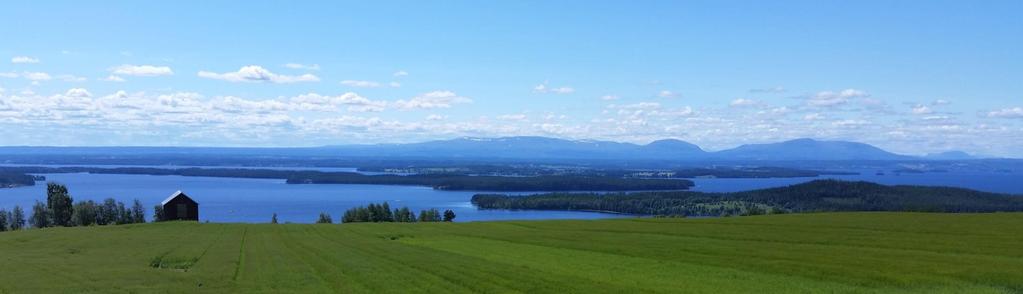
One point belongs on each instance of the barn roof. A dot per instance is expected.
(175, 195)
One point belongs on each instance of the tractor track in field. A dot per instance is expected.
(241, 256)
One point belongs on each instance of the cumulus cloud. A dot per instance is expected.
(142, 70)
(921, 109)
(832, 99)
(512, 117)
(813, 116)
(667, 94)
(71, 78)
(1014, 112)
(545, 88)
(78, 92)
(742, 102)
(302, 66)
(352, 101)
(24, 59)
(400, 73)
(37, 76)
(255, 73)
(435, 99)
(113, 78)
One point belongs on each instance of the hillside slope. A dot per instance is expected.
(841, 252)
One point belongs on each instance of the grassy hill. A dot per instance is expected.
(831, 252)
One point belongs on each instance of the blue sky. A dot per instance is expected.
(909, 76)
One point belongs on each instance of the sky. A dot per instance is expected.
(912, 77)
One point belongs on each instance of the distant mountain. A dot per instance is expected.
(668, 149)
(513, 148)
(950, 155)
(528, 147)
(808, 149)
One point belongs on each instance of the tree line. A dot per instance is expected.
(60, 210)
(595, 182)
(375, 213)
(814, 196)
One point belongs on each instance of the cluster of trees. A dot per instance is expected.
(12, 220)
(496, 183)
(374, 213)
(585, 182)
(814, 196)
(60, 210)
(14, 179)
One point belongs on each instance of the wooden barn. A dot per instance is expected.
(180, 207)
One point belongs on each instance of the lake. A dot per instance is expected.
(1011, 183)
(256, 200)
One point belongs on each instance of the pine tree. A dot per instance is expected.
(158, 213)
(3, 220)
(324, 219)
(16, 218)
(273, 219)
(449, 215)
(138, 212)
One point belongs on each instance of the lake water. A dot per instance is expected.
(1011, 183)
(255, 200)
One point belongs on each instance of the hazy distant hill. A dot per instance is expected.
(670, 149)
(809, 149)
(528, 148)
(517, 148)
(950, 155)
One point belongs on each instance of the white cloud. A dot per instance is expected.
(37, 76)
(353, 102)
(71, 78)
(667, 94)
(360, 84)
(772, 90)
(24, 59)
(394, 84)
(544, 88)
(113, 78)
(78, 92)
(640, 105)
(742, 102)
(921, 109)
(435, 99)
(435, 117)
(255, 73)
(940, 102)
(1015, 112)
(302, 66)
(512, 117)
(142, 70)
(9, 75)
(400, 73)
(609, 97)
(813, 116)
(831, 99)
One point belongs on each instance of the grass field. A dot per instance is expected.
(835, 252)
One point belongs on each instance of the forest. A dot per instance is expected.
(814, 196)
(437, 181)
(14, 179)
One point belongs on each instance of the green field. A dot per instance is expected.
(833, 252)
